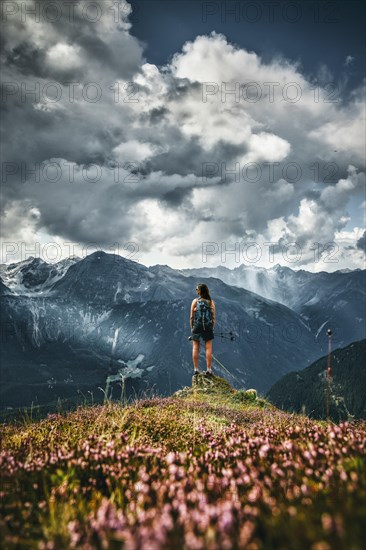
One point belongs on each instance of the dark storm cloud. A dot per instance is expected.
(117, 60)
(120, 55)
(187, 156)
(175, 197)
(184, 157)
(27, 59)
(361, 243)
(156, 115)
(31, 61)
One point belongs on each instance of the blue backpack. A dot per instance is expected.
(203, 313)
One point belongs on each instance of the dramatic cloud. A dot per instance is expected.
(361, 243)
(217, 146)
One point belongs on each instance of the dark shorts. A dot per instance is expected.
(197, 332)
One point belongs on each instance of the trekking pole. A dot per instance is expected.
(329, 372)
(225, 369)
(222, 335)
(221, 365)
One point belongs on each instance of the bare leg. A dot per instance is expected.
(209, 354)
(195, 353)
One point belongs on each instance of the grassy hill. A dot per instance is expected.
(210, 467)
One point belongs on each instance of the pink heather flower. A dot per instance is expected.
(307, 455)
(246, 533)
(288, 445)
(343, 475)
(166, 522)
(263, 450)
(170, 458)
(327, 522)
(253, 494)
(225, 520)
(192, 542)
(47, 545)
(73, 527)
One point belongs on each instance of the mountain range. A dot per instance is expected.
(82, 326)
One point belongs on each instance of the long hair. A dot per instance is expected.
(203, 290)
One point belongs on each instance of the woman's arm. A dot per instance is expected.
(192, 312)
(213, 306)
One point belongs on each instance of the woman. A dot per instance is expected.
(200, 328)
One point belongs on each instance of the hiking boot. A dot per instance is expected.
(208, 373)
(196, 373)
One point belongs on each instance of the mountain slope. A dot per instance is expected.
(34, 275)
(4, 290)
(304, 391)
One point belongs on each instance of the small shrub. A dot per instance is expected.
(245, 396)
